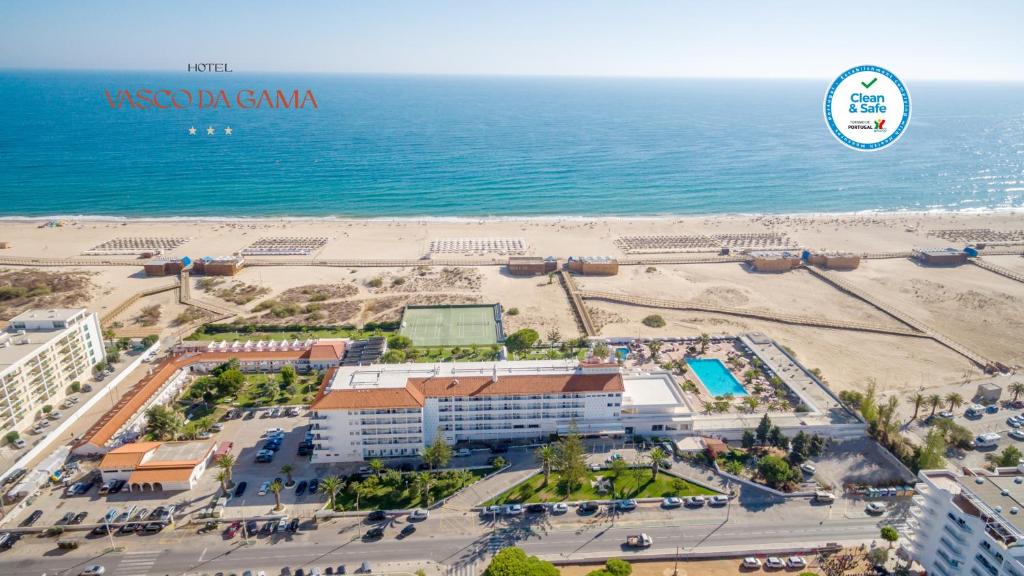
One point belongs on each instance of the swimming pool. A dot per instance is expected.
(622, 353)
(716, 377)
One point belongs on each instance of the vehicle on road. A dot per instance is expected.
(512, 510)
(233, 529)
(808, 468)
(588, 507)
(641, 540)
(65, 519)
(694, 501)
(264, 488)
(31, 518)
(796, 562)
(462, 453)
(672, 502)
(313, 485)
(377, 516)
(719, 500)
(774, 563)
(750, 562)
(875, 508)
(824, 497)
(94, 570)
(625, 505)
(375, 533)
(536, 509)
(240, 488)
(79, 518)
(490, 511)
(559, 508)
(407, 531)
(418, 515)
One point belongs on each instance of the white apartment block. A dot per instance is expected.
(969, 524)
(396, 410)
(41, 353)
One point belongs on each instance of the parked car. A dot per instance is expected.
(79, 518)
(750, 562)
(265, 456)
(462, 453)
(251, 527)
(536, 509)
(625, 505)
(375, 533)
(270, 432)
(875, 508)
(313, 485)
(824, 497)
(94, 570)
(65, 519)
(992, 409)
(31, 518)
(512, 510)
(672, 502)
(232, 529)
(154, 527)
(559, 508)
(808, 468)
(293, 526)
(18, 444)
(240, 488)
(588, 507)
(1016, 434)
(418, 515)
(719, 500)
(694, 501)
(377, 516)
(407, 531)
(300, 489)
(796, 562)
(490, 511)
(264, 488)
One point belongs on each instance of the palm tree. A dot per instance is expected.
(546, 454)
(704, 341)
(1017, 388)
(657, 457)
(934, 401)
(331, 485)
(421, 484)
(554, 336)
(954, 400)
(377, 465)
(707, 406)
(655, 346)
(223, 477)
(276, 488)
(226, 463)
(287, 470)
(356, 488)
(918, 399)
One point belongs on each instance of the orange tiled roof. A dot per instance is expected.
(127, 456)
(417, 390)
(327, 351)
(151, 475)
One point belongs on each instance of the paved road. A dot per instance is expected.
(440, 539)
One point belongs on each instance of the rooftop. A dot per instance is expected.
(51, 315)
(14, 347)
(651, 390)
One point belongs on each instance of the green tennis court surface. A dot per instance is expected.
(451, 325)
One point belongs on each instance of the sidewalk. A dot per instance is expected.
(489, 488)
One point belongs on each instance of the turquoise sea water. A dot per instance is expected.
(718, 380)
(463, 146)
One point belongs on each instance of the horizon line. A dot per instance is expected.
(488, 75)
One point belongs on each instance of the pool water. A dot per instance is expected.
(622, 353)
(716, 377)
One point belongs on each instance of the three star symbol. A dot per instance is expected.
(228, 131)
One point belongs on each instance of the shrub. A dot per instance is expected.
(11, 436)
(513, 312)
(654, 321)
(375, 282)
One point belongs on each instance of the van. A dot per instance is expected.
(987, 439)
(824, 497)
(974, 411)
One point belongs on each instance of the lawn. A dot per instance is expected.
(265, 390)
(533, 489)
(395, 492)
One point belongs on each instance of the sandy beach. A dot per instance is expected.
(978, 308)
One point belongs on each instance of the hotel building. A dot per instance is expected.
(396, 410)
(41, 353)
(969, 524)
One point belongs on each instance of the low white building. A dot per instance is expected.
(42, 353)
(157, 466)
(969, 524)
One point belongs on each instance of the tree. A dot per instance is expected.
(1010, 456)
(288, 375)
(704, 341)
(546, 456)
(229, 382)
(513, 561)
(331, 485)
(498, 463)
(868, 405)
(934, 401)
(399, 342)
(554, 336)
(223, 478)
(75, 387)
(276, 488)
(355, 487)
(150, 340)
(657, 456)
(748, 439)
(226, 463)
(99, 367)
(918, 400)
(929, 455)
(776, 472)
(422, 483)
(163, 423)
(571, 459)
(617, 567)
(878, 555)
(287, 470)
(655, 346)
(801, 448)
(617, 470)
(816, 446)
(890, 535)
(393, 357)
(600, 350)
(377, 465)
(522, 340)
(763, 429)
(113, 355)
(439, 453)
(653, 321)
(954, 400)
(11, 436)
(1017, 388)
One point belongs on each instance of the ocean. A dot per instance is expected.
(396, 146)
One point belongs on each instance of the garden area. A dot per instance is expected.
(393, 490)
(634, 483)
(771, 458)
(243, 332)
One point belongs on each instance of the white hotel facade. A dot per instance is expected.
(396, 410)
(41, 353)
(969, 524)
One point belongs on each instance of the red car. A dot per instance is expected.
(233, 529)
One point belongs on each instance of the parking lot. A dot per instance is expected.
(857, 461)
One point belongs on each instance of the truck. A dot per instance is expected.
(638, 540)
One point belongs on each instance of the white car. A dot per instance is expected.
(491, 511)
(264, 488)
(559, 508)
(672, 502)
(462, 452)
(94, 570)
(418, 515)
(796, 562)
(751, 562)
(273, 432)
(875, 508)
(1016, 434)
(720, 500)
(513, 510)
(695, 501)
(774, 562)
(808, 468)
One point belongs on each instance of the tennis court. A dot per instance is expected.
(453, 325)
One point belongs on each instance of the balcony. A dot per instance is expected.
(953, 549)
(992, 570)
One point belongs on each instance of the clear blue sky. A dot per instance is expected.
(941, 39)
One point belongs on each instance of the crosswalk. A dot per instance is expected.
(467, 569)
(137, 563)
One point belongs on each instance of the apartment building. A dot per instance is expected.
(395, 410)
(969, 524)
(41, 353)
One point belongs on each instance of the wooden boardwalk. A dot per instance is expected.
(914, 323)
(981, 263)
(578, 306)
(733, 311)
(109, 317)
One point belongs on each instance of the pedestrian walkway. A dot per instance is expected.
(490, 487)
(137, 563)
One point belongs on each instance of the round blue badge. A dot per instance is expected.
(867, 108)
